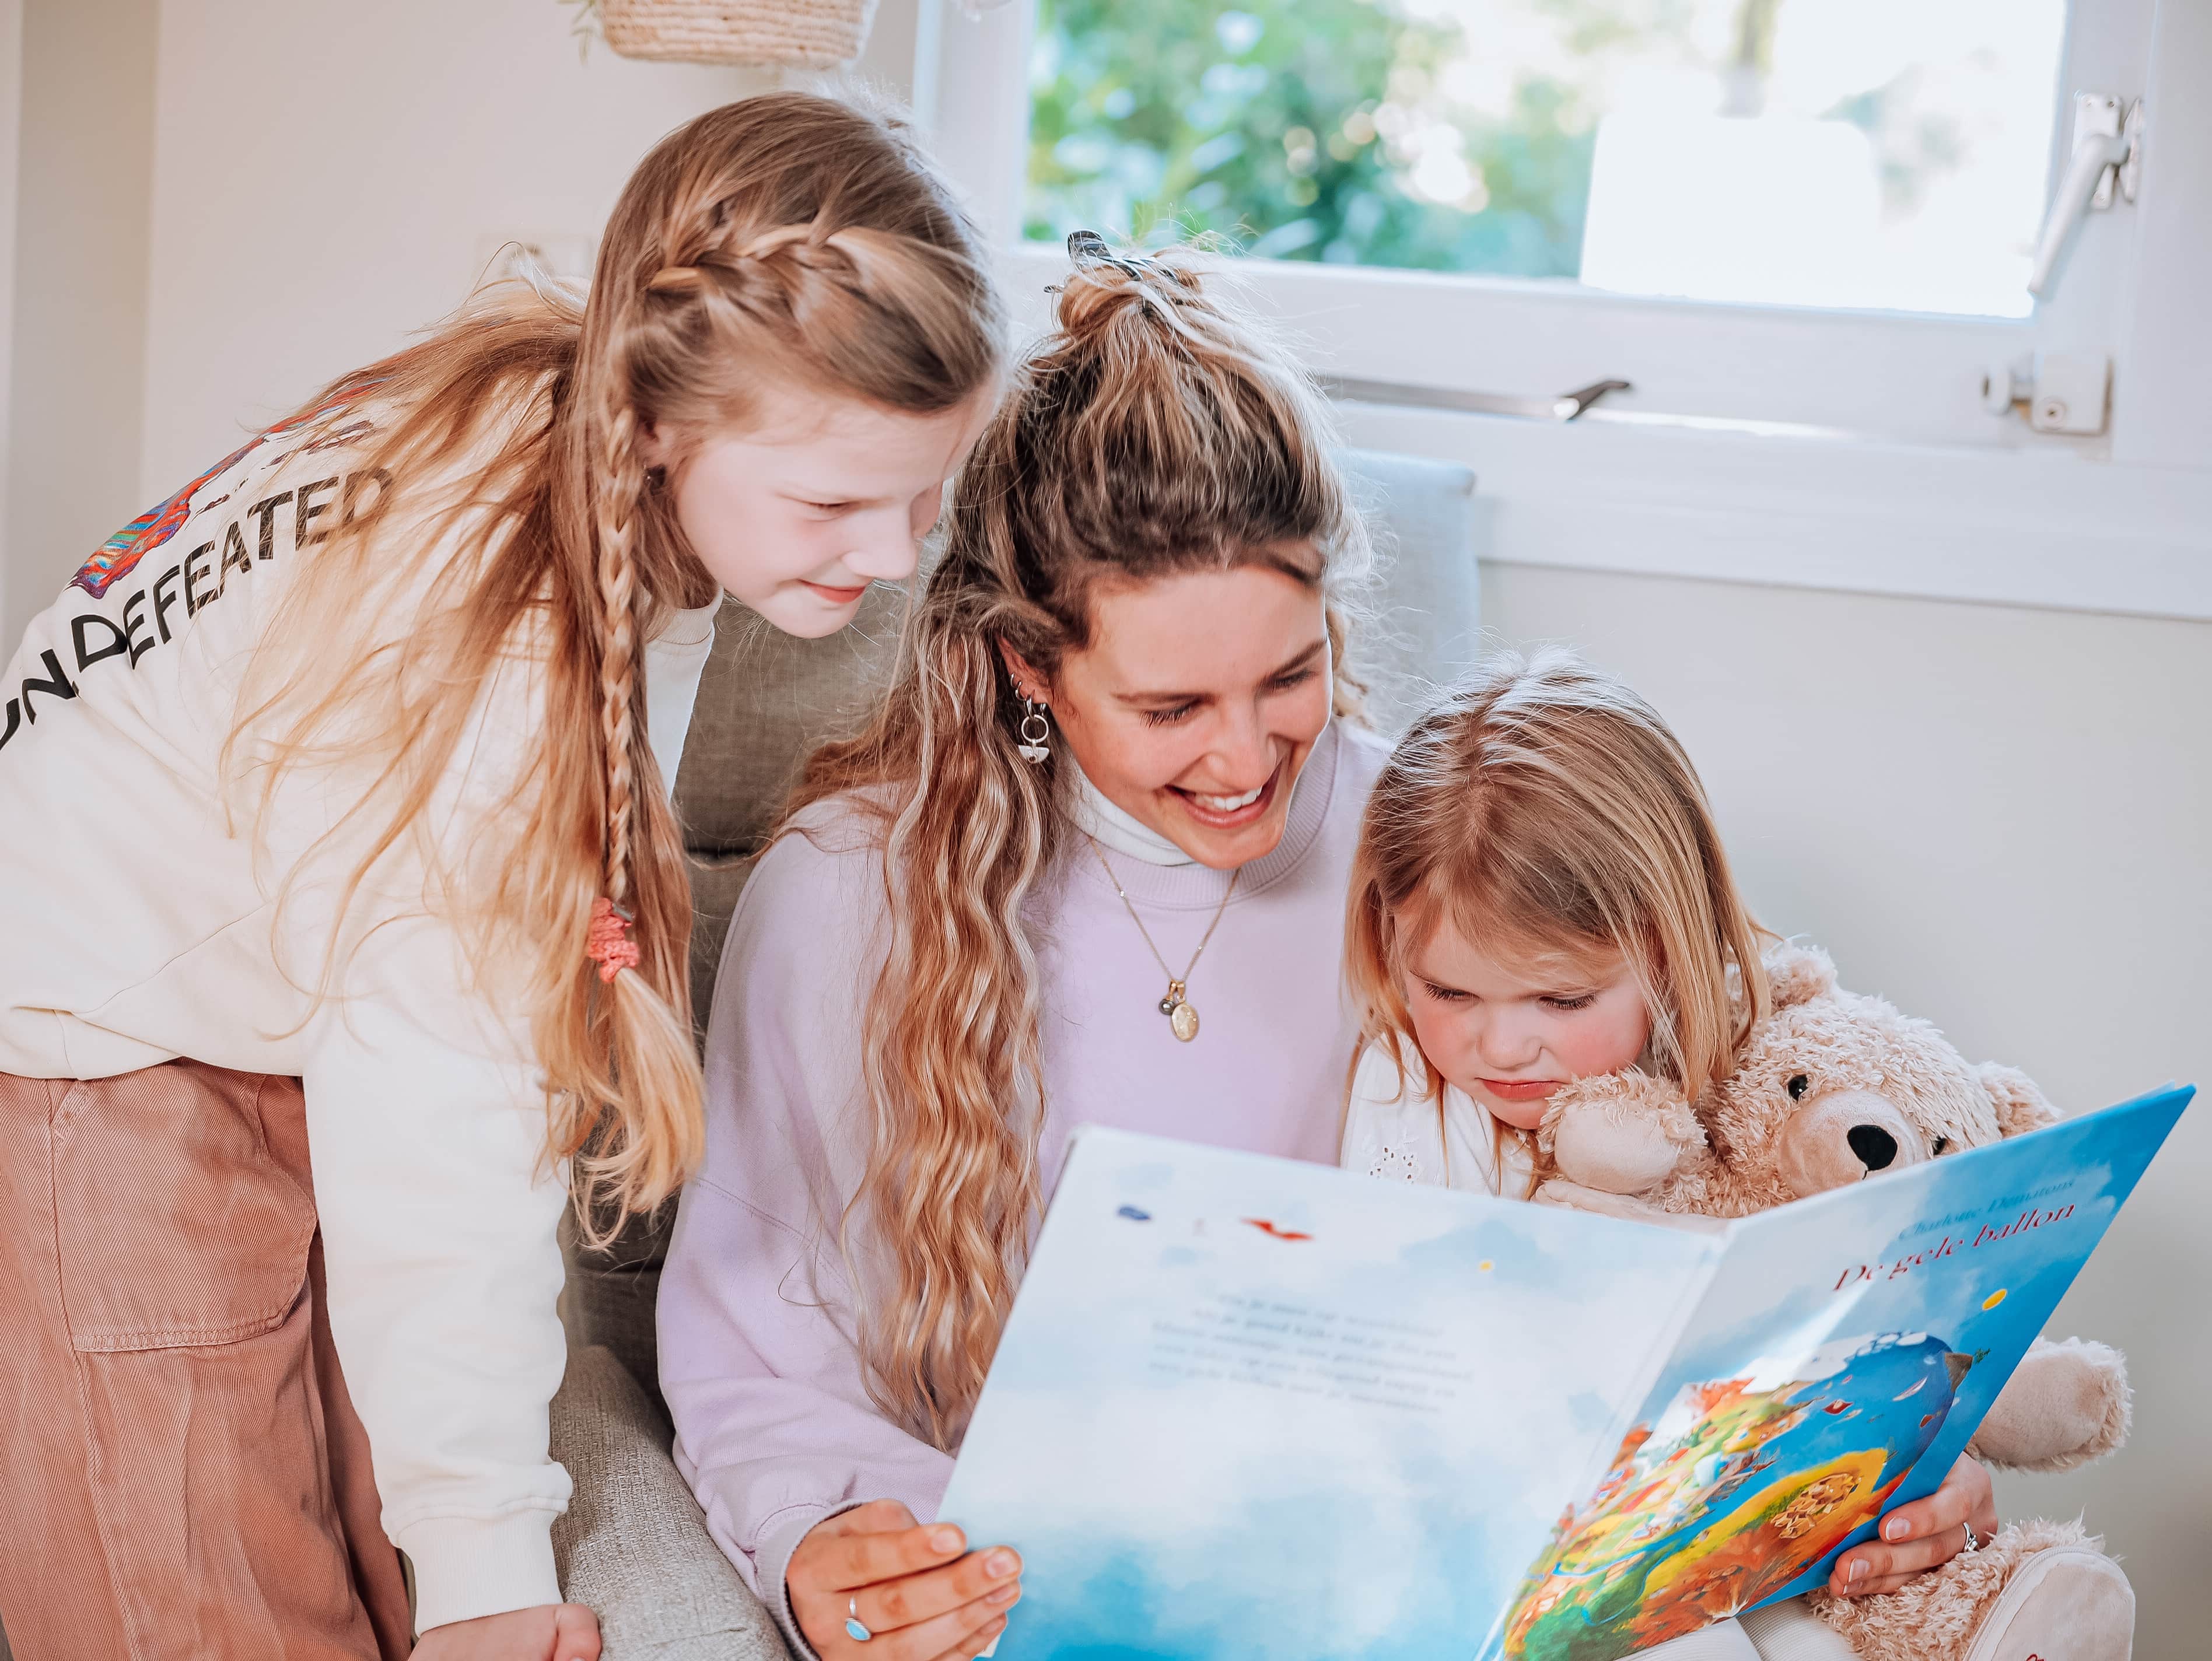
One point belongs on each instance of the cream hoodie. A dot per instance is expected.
(135, 928)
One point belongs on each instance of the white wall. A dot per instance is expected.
(328, 173)
(1997, 818)
(78, 161)
(11, 145)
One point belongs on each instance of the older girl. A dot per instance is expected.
(1542, 894)
(334, 826)
(1085, 863)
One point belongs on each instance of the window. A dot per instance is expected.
(1859, 152)
(1797, 229)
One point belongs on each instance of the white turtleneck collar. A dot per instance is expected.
(1113, 829)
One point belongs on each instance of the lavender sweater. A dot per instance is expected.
(773, 1427)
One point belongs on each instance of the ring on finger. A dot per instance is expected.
(854, 1627)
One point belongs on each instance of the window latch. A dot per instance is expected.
(2107, 158)
(2060, 391)
(1567, 406)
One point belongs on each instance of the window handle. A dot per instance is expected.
(2104, 155)
(1567, 406)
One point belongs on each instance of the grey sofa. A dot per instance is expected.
(634, 1545)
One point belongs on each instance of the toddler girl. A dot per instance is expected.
(1541, 894)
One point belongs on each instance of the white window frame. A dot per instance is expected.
(1830, 449)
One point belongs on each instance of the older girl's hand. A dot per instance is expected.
(552, 1632)
(1920, 1536)
(920, 1592)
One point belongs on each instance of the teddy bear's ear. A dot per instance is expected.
(2021, 1106)
(1798, 974)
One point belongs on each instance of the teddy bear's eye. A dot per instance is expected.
(1941, 1143)
(1798, 1087)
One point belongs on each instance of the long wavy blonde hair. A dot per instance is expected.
(1542, 807)
(1155, 434)
(785, 240)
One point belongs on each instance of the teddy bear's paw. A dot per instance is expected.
(2038, 1589)
(2066, 1405)
(2069, 1603)
(1622, 1134)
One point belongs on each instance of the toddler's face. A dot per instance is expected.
(1509, 1031)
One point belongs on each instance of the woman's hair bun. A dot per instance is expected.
(1107, 285)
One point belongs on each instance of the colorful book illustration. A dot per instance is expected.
(1247, 1407)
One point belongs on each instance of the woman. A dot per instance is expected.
(1086, 863)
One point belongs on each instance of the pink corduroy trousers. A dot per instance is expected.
(181, 1471)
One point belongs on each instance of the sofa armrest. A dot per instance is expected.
(634, 1547)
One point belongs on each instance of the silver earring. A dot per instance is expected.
(1034, 746)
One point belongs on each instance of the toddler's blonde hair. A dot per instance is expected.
(1541, 808)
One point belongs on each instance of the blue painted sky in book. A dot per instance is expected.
(1283, 1395)
(1250, 1408)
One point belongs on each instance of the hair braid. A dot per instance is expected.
(616, 500)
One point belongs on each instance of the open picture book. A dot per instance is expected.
(1249, 1407)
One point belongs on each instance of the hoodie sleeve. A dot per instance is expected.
(774, 1427)
(426, 1132)
(440, 1211)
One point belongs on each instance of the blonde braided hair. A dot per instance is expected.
(618, 574)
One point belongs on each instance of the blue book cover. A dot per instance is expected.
(1248, 1407)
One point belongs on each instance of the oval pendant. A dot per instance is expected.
(1184, 1020)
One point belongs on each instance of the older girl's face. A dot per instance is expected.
(1509, 1030)
(1196, 703)
(816, 498)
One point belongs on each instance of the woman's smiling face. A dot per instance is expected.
(1197, 702)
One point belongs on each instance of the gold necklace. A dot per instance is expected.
(1182, 1020)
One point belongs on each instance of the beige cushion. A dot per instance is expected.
(634, 1546)
(765, 700)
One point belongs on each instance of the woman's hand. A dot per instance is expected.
(910, 1587)
(1932, 1531)
(551, 1632)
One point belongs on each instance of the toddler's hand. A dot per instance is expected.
(1922, 1536)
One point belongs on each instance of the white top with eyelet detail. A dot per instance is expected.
(1394, 1129)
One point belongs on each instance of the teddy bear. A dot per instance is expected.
(1834, 1087)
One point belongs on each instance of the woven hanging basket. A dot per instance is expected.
(803, 35)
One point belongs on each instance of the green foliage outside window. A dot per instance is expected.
(1299, 128)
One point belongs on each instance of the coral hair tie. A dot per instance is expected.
(607, 942)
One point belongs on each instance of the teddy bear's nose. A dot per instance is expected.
(1874, 1146)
